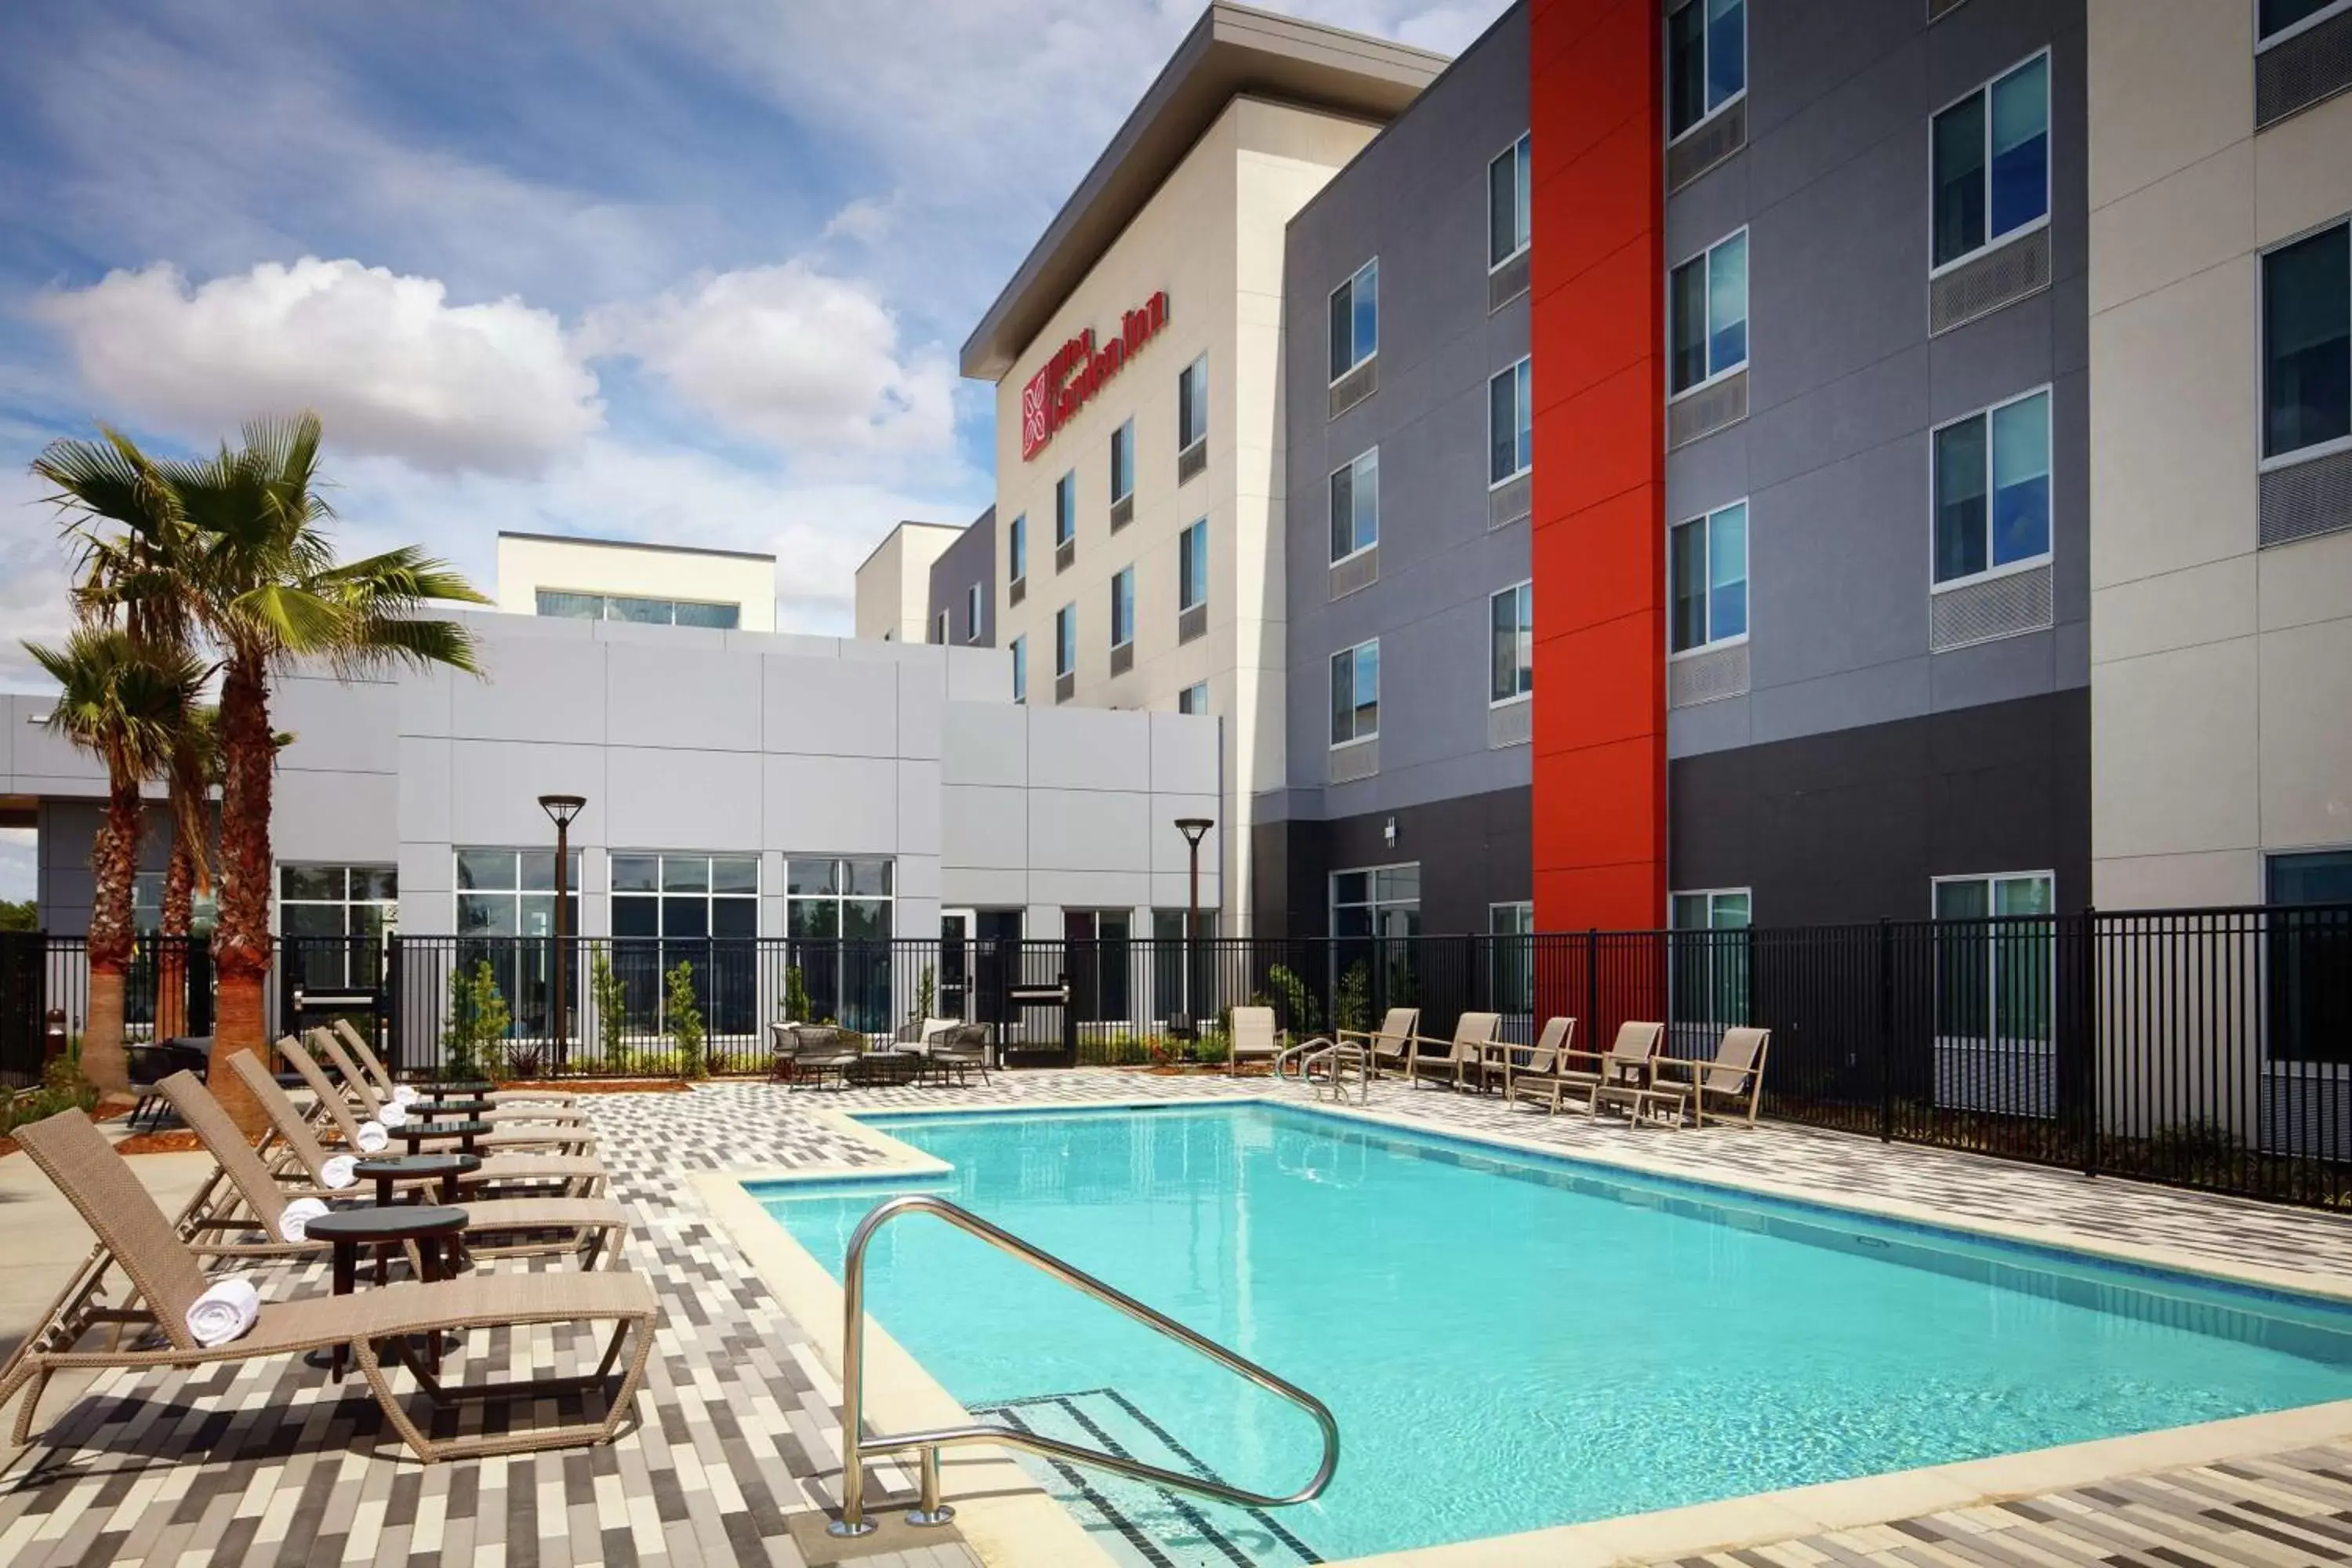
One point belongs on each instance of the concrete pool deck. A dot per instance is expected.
(737, 1438)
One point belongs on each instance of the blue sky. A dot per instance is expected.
(693, 271)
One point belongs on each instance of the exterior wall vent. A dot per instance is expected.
(1356, 759)
(2290, 76)
(1510, 724)
(1066, 687)
(1359, 570)
(1509, 503)
(1193, 459)
(1122, 658)
(1705, 413)
(1707, 146)
(1016, 591)
(1065, 554)
(2017, 269)
(1997, 608)
(1708, 676)
(2305, 500)
(1509, 281)
(1355, 386)
(1122, 512)
(1192, 623)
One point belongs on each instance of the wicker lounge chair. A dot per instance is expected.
(582, 1176)
(826, 1048)
(960, 1051)
(1461, 1060)
(367, 1057)
(166, 1279)
(1736, 1074)
(596, 1227)
(527, 1135)
(1625, 1064)
(370, 1103)
(1253, 1038)
(1506, 1062)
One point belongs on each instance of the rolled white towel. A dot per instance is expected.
(372, 1137)
(405, 1094)
(224, 1312)
(337, 1172)
(394, 1114)
(294, 1224)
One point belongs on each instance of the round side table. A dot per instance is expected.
(348, 1230)
(386, 1169)
(464, 1109)
(464, 1131)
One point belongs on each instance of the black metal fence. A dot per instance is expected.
(2207, 1047)
(166, 992)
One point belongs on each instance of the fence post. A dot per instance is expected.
(391, 993)
(1885, 1030)
(2089, 1043)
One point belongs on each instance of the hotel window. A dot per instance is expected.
(837, 917)
(1066, 640)
(972, 623)
(1510, 423)
(2309, 952)
(1356, 318)
(1122, 462)
(1507, 206)
(1720, 909)
(1513, 960)
(1192, 566)
(1356, 693)
(940, 627)
(1706, 314)
(1991, 157)
(1355, 506)
(1065, 508)
(1706, 61)
(336, 916)
(1192, 405)
(1992, 490)
(1193, 698)
(561, 605)
(2308, 345)
(1383, 901)
(1706, 564)
(1122, 608)
(2277, 20)
(511, 893)
(1019, 670)
(698, 910)
(1708, 971)
(1017, 550)
(1993, 969)
(1512, 617)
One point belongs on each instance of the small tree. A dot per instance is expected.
(796, 997)
(611, 1000)
(926, 995)
(1301, 1015)
(1352, 1007)
(686, 1021)
(478, 1020)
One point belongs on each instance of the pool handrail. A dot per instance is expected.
(929, 1509)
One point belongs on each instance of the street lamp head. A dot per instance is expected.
(562, 808)
(1194, 829)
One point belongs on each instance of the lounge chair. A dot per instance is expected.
(1253, 1037)
(582, 1176)
(370, 1103)
(1626, 1063)
(1503, 1064)
(166, 1279)
(1736, 1074)
(826, 1048)
(367, 1057)
(528, 1135)
(1461, 1060)
(596, 1227)
(1388, 1046)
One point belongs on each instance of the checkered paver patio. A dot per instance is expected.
(271, 1465)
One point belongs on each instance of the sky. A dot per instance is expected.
(692, 272)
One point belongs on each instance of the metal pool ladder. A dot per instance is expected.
(929, 1509)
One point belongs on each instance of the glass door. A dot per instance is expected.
(957, 929)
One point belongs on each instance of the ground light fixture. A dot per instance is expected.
(560, 809)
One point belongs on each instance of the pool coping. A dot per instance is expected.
(1009, 1525)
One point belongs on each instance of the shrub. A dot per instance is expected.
(686, 1022)
(62, 1088)
(1295, 1005)
(611, 1000)
(1212, 1050)
(926, 995)
(1352, 1007)
(796, 997)
(478, 1021)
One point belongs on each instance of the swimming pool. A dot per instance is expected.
(1509, 1340)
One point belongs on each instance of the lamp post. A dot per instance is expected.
(1194, 829)
(562, 809)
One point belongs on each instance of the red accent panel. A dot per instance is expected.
(1599, 762)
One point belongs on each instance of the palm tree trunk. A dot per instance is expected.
(172, 951)
(241, 944)
(113, 862)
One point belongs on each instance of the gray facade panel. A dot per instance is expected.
(970, 558)
(1416, 197)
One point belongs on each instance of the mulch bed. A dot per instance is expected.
(179, 1140)
(604, 1085)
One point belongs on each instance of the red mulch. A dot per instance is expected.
(604, 1085)
(179, 1140)
(104, 1112)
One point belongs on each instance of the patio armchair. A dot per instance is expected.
(166, 1280)
(1389, 1045)
(366, 1056)
(1459, 1060)
(783, 1048)
(594, 1227)
(145, 1067)
(1255, 1037)
(960, 1051)
(1625, 1064)
(826, 1048)
(533, 1135)
(1504, 1063)
(1735, 1074)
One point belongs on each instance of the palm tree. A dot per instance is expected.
(125, 703)
(192, 770)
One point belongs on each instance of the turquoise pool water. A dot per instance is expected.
(1509, 1341)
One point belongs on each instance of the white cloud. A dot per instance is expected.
(865, 220)
(809, 362)
(390, 364)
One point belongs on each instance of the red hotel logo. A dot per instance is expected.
(1077, 371)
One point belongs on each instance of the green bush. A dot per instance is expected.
(611, 1000)
(1212, 1050)
(62, 1088)
(1296, 1008)
(1352, 1007)
(796, 997)
(478, 1022)
(686, 1022)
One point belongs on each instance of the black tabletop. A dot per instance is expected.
(447, 1107)
(397, 1165)
(453, 1086)
(400, 1221)
(443, 1130)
